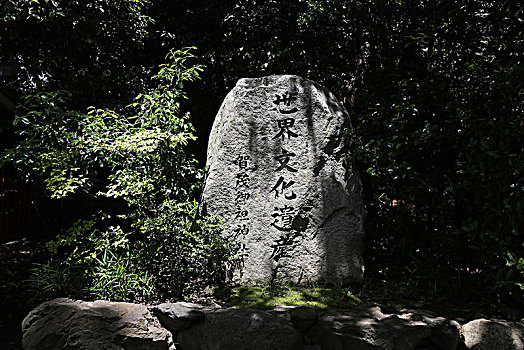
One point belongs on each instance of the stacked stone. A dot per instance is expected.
(69, 324)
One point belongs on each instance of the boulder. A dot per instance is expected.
(69, 324)
(281, 178)
(445, 333)
(301, 317)
(485, 334)
(240, 329)
(178, 316)
(99, 325)
(366, 328)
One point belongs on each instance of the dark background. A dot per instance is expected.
(433, 88)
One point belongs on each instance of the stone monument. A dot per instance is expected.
(281, 178)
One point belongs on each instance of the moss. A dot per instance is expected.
(267, 297)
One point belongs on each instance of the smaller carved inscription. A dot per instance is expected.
(240, 230)
(242, 180)
(241, 162)
(241, 214)
(242, 197)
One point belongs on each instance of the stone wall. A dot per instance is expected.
(76, 325)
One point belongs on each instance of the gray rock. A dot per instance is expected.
(366, 327)
(405, 333)
(301, 317)
(100, 325)
(178, 316)
(240, 329)
(281, 178)
(485, 334)
(444, 333)
(338, 330)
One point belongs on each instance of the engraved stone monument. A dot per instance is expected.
(281, 178)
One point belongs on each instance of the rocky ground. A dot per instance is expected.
(15, 299)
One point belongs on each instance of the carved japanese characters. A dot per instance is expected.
(281, 178)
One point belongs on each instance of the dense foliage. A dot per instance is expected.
(434, 90)
(90, 49)
(442, 140)
(155, 245)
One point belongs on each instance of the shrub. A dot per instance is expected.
(161, 246)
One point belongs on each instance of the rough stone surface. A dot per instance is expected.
(178, 316)
(367, 327)
(99, 325)
(445, 333)
(281, 178)
(102, 325)
(240, 329)
(301, 317)
(485, 334)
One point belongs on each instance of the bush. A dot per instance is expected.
(87, 262)
(161, 247)
(438, 134)
(186, 254)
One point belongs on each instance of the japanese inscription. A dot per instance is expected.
(281, 180)
(284, 216)
(281, 186)
(242, 195)
(284, 101)
(285, 126)
(284, 159)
